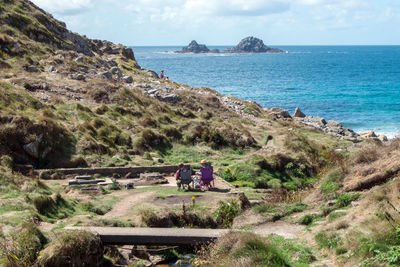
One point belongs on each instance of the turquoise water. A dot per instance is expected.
(356, 85)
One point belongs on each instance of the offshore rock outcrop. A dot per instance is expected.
(252, 45)
(196, 48)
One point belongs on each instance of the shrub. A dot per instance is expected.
(345, 199)
(366, 155)
(327, 240)
(23, 246)
(97, 123)
(53, 208)
(102, 109)
(123, 139)
(148, 121)
(44, 204)
(150, 139)
(7, 161)
(261, 183)
(226, 212)
(73, 248)
(307, 219)
(226, 174)
(99, 210)
(274, 183)
(172, 133)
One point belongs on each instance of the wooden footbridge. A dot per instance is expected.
(153, 236)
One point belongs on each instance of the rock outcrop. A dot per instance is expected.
(196, 48)
(298, 113)
(252, 45)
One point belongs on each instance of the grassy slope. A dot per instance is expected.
(115, 126)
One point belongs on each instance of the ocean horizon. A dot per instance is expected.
(356, 85)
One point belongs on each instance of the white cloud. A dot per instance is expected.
(68, 7)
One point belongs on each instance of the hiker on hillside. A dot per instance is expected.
(162, 75)
(207, 172)
(183, 176)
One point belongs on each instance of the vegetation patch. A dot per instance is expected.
(73, 248)
(245, 249)
(277, 211)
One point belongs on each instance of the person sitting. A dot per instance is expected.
(183, 176)
(207, 172)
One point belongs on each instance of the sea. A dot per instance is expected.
(358, 86)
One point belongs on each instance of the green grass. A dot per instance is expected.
(298, 254)
(236, 248)
(334, 215)
(277, 211)
(328, 240)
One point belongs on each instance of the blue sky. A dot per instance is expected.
(226, 22)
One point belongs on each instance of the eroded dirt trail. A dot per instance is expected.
(123, 207)
(284, 229)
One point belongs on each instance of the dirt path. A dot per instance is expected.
(123, 207)
(284, 229)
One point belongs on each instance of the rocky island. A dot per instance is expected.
(82, 126)
(252, 45)
(247, 45)
(196, 48)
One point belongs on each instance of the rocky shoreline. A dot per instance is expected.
(331, 127)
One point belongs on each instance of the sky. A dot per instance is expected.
(226, 22)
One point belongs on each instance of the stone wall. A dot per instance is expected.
(109, 171)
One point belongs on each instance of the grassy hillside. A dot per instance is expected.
(68, 101)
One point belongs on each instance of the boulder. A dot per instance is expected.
(151, 73)
(382, 138)
(334, 124)
(106, 75)
(281, 112)
(127, 52)
(368, 134)
(78, 76)
(171, 98)
(298, 114)
(31, 68)
(115, 70)
(127, 79)
(79, 59)
(38, 105)
(252, 45)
